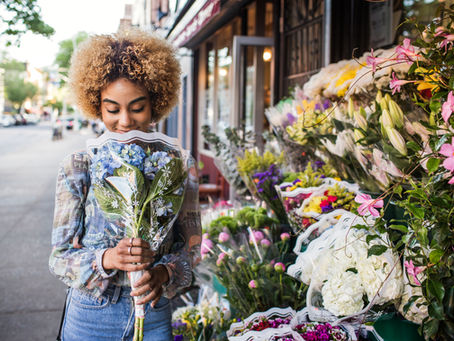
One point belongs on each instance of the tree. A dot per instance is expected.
(16, 88)
(20, 17)
(66, 50)
(17, 91)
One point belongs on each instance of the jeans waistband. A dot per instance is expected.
(114, 292)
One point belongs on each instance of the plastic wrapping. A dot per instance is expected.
(139, 179)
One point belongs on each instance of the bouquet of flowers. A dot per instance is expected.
(261, 174)
(201, 322)
(345, 265)
(139, 180)
(239, 254)
(284, 324)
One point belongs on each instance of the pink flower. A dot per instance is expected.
(265, 243)
(448, 107)
(406, 52)
(395, 83)
(223, 237)
(253, 284)
(206, 247)
(448, 151)
(279, 267)
(373, 61)
(440, 32)
(413, 271)
(285, 236)
(257, 236)
(222, 203)
(368, 204)
(221, 258)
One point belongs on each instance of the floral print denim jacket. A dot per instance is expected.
(81, 234)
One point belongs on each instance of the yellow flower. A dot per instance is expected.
(314, 205)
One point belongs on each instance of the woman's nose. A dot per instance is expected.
(125, 119)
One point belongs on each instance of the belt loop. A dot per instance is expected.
(116, 294)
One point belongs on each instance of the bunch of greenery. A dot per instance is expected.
(226, 151)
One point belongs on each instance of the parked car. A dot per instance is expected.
(20, 119)
(7, 121)
(31, 118)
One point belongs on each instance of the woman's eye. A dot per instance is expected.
(138, 109)
(113, 111)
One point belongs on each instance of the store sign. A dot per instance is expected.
(206, 13)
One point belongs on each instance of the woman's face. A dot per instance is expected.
(125, 106)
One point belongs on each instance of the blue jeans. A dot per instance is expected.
(111, 317)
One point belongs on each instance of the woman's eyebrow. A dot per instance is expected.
(109, 101)
(137, 100)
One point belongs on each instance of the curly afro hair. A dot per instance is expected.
(138, 56)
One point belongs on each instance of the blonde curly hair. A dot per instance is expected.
(138, 56)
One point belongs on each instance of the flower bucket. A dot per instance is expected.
(218, 287)
(391, 327)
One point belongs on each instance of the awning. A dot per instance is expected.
(198, 15)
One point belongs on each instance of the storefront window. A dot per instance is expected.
(208, 116)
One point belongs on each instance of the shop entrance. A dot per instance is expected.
(252, 80)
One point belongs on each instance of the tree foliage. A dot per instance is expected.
(66, 50)
(18, 90)
(21, 16)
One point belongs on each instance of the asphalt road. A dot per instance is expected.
(31, 299)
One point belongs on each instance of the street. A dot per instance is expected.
(31, 299)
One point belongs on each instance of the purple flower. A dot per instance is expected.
(319, 164)
(291, 119)
(326, 104)
(178, 338)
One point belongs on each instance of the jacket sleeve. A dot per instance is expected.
(71, 262)
(185, 252)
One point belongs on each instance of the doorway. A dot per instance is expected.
(252, 83)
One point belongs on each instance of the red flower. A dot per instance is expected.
(324, 203)
(332, 198)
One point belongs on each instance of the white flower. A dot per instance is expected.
(343, 293)
(115, 204)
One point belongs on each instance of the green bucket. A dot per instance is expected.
(391, 327)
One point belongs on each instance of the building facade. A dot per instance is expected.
(243, 56)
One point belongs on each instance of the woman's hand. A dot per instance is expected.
(150, 284)
(130, 254)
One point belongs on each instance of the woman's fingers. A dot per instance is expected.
(153, 296)
(126, 242)
(134, 267)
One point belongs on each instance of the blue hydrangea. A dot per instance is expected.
(109, 157)
(133, 155)
(154, 163)
(103, 164)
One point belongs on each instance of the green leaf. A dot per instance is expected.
(360, 227)
(432, 164)
(430, 328)
(371, 237)
(398, 190)
(412, 68)
(435, 256)
(436, 310)
(436, 289)
(413, 146)
(441, 142)
(418, 212)
(376, 250)
(109, 200)
(354, 270)
(435, 106)
(401, 228)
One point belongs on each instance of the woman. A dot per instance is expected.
(129, 80)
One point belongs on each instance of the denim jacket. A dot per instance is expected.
(81, 233)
